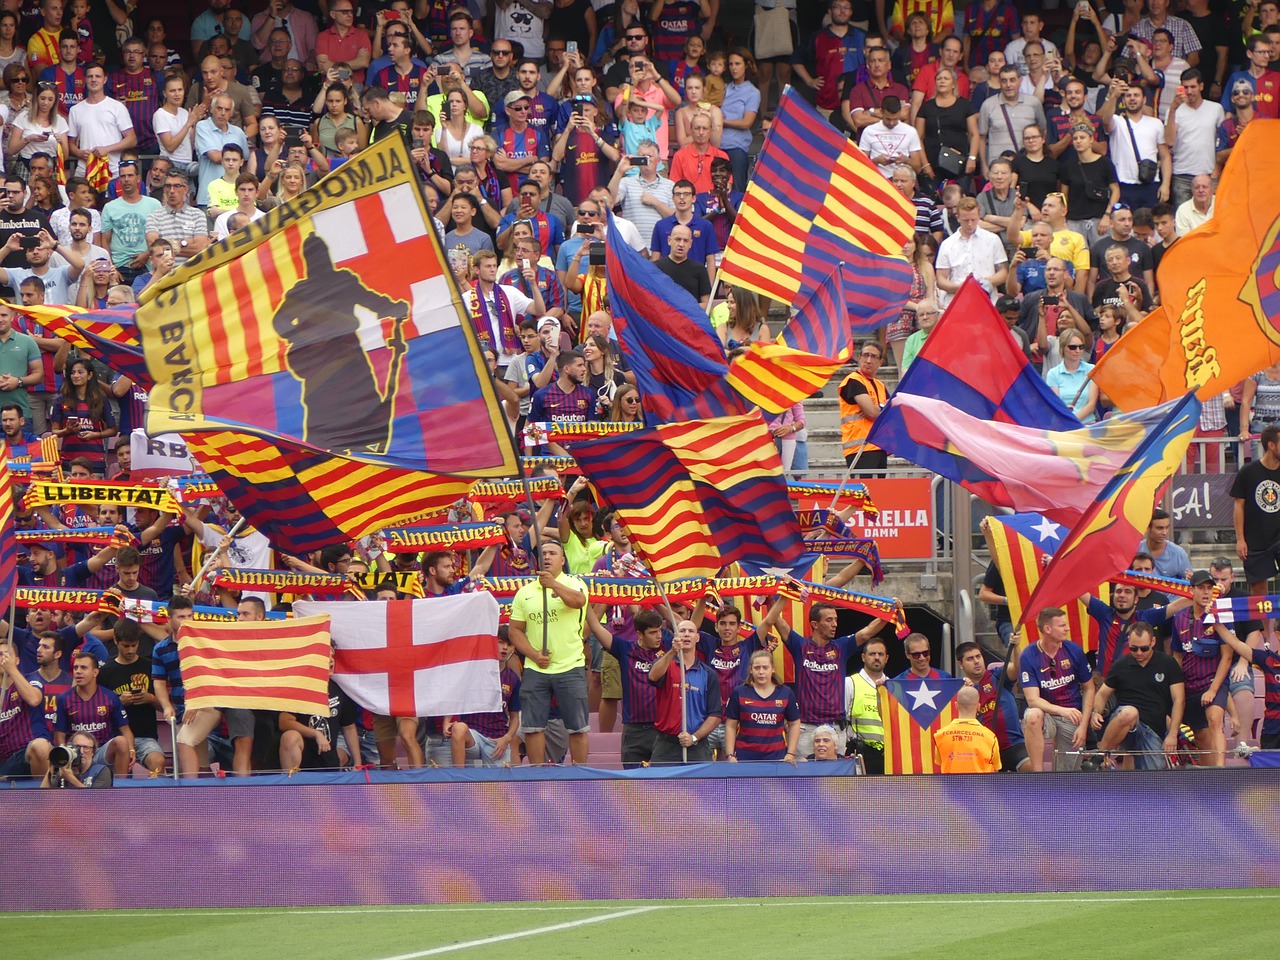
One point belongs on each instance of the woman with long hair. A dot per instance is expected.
(922, 288)
(82, 418)
(586, 149)
(40, 128)
(740, 108)
(761, 717)
(11, 52)
(917, 51)
(456, 133)
(44, 196)
(1036, 170)
(337, 117)
(267, 160)
(613, 35)
(293, 181)
(947, 120)
(746, 319)
(603, 375)
(626, 405)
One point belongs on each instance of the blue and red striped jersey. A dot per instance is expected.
(762, 721)
(1009, 732)
(101, 716)
(639, 699)
(52, 689)
(1270, 664)
(1059, 678)
(729, 662)
(820, 675)
(494, 725)
(19, 723)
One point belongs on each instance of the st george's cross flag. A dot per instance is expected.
(913, 710)
(416, 658)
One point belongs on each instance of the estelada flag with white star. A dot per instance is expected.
(416, 658)
(913, 710)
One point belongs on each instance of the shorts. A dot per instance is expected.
(611, 679)
(313, 759)
(1235, 686)
(1061, 733)
(100, 755)
(1194, 715)
(1149, 745)
(715, 740)
(143, 747)
(557, 740)
(437, 750)
(240, 722)
(597, 654)
(16, 765)
(481, 751)
(570, 689)
(1269, 741)
(1013, 756)
(1262, 564)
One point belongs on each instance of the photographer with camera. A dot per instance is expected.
(1041, 310)
(73, 765)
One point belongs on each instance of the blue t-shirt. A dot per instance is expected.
(704, 238)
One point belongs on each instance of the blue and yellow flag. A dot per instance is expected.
(332, 322)
(1100, 544)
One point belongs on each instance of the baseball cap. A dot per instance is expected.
(548, 321)
(53, 546)
(515, 96)
(1201, 577)
(1006, 303)
(93, 647)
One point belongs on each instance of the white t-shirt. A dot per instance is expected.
(220, 229)
(1194, 150)
(1147, 131)
(517, 23)
(60, 222)
(166, 122)
(520, 307)
(900, 140)
(248, 551)
(25, 125)
(99, 124)
(976, 256)
(630, 193)
(1171, 77)
(1014, 57)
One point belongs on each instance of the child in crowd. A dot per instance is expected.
(222, 192)
(717, 66)
(641, 123)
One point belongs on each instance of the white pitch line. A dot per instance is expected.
(880, 901)
(521, 934)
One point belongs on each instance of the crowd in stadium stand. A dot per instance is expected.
(1054, 155)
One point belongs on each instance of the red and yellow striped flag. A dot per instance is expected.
(262, 665)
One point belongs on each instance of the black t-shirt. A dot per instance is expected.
(995, 583)
(1139, 255)
(342, 713)
(121, 678)
(1259, 488)
(28, 223)
(1147, 688)
(385, 128)
(945, 126)
(1108, 292)
(690, 274)
(1036, 178)
(1079, 178)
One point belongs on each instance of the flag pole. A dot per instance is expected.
(537, 536)
(671, 615)
(684, 706)
(213, 557)
(844, 481)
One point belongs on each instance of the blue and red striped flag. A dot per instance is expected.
(305, 500)
(110, 335)
(814, 201)
(677, 358)
(1100, 544)
(699, 495)
(332, 322)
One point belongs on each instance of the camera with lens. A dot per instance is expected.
(61, 757)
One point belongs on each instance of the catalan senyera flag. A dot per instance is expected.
(332, 322)
(264, 665)
(698, 495)
(815, 200)
(1219, 321)
(912, 711)
(1101, 543)
(1020, 543)
(305, 500)
(8, 543)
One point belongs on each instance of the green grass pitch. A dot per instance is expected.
(1156, 925)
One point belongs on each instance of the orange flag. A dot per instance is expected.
(1220, 288)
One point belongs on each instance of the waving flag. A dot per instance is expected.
(1054, 472)
(677, 359)
(8, 543)
(1100, 544)
(416, 658)
(109, 335)
(815, 200)
(968, 338)
(334, 323)
(1020, 544)
(699, 495)
(1220, 292)
(305, 500)
(267, 665)
(912, 711)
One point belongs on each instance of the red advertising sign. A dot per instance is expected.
(903, 530)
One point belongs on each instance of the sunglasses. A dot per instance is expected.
(1146, 649)
(919, 655)
(518, 108)
(1075, 346)
(501, 53)
(20, 80)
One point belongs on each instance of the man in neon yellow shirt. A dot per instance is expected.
(561, 669)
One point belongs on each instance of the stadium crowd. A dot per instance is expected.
(1054, 155)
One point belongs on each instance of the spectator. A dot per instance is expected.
(987, 25)
(1088, 180)
(129, 677)
(553, 651)
(688, 700)
(830, 57)
(388, 116)
(139, 89)
(20, 363)
(24, 735)
(343, 42)
(469, 59)
(762, 717)
(99, 126)
(634, 43)
(862, 397)
(520, 144)
(65, 77)
(740, 107)
(964, 745)
(217, 77)
(215, 137)
(185, 227)
(693, 162)
(1036, 171)
(300, 24)
(970, 253)
(1003, 119)
(648, 86)
(1066, 243)
(1198, 208)
(531, 274)
(82, 709)
(496, 309)
(1186, 45)
(862, 107)
(55, 282)
(916, 51)
(1121, 289)
(1170, 559)
(704, 247)
(997, 710)
(1055, 308)
(1032, 29)
(456, 133)
(1069, 114)
(925, 85)
(174, 125)
(1122, 233)
(689, 274)
(1138, 148)
(313, 744)
(42, 47)
(82, 419)
(647, 197)
(889, 141)
(247, 192)
(636, 654)
(929, 216)
(266, 76)
(1257, 507)
(11, 51)
(290, 100)
(927, 314)
(587, 151)
(124, 223)
(1261, 78)
(948, 123)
